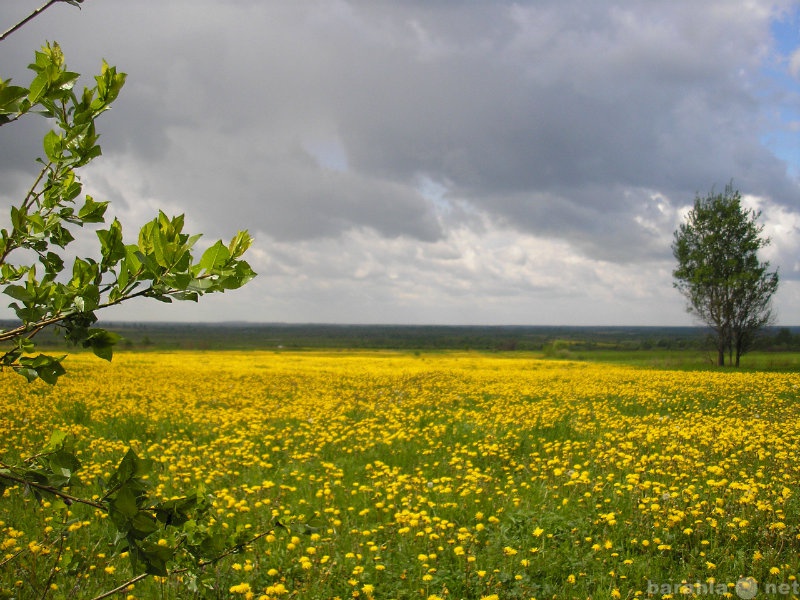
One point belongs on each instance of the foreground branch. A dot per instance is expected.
(51, 490)
(35, 14)
(121, 588)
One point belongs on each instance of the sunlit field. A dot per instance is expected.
(423, 476)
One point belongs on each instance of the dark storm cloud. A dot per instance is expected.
(582, 122)
(508, 103)
(574, 107)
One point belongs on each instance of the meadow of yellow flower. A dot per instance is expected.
(441, 475)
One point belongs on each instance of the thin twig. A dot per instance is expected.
(233, 550)
(29, 198)
(30, 17)
(12, 557)
(199, 565)
(32, 194)
(8, 119)
(54, 491)
(11, 334)
(61, 539)
(120, 588)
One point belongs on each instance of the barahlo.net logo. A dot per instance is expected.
(746, 588)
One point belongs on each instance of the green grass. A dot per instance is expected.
(449, 475)
(688, 359)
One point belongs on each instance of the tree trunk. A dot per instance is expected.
(739, 346)
(721, 356)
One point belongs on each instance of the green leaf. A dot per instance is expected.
(28, 373)
(93, 212)
(159, 244)
(148, 265)
(70, 187)
(10, 95)
(47, 368)
(57, 439)
(89, 299)
(52, 146)
(190, 296)
(28, 314)
(25, 345)
(133, 260)
(18, 218)
(64, 462)
(192, 240)
(127, 468)
(200, 285)
(182, 263)
(18, 292)
(101, 342)
(215, 257)
(60, 236)
(76, 326)
(38, 87)
(146, 238)
(52, 262)
(239, 244)
(244, 273)
(122, 508)
(63, 465)
(142, 524)
(123, 274)
(175, 512)
(84, 272)
(153, 557)
(179, 281)
(129, 472)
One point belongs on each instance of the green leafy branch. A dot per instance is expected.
(126, 499)
(45, 292)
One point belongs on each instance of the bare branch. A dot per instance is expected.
(51, 490)
(32, 329)
(12, 557)
(35, 14)
(121, 588)
(29, 18)
(61, 540)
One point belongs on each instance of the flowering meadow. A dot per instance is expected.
(420, 476)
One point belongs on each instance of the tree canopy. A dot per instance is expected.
(726, 285)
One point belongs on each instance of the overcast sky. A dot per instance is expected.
(436, 161)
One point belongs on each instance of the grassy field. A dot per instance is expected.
(425, 476)
(687, 359)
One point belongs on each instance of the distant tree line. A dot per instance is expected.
(779, 339)
(553, 341)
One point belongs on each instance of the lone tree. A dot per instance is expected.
(719, 272)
